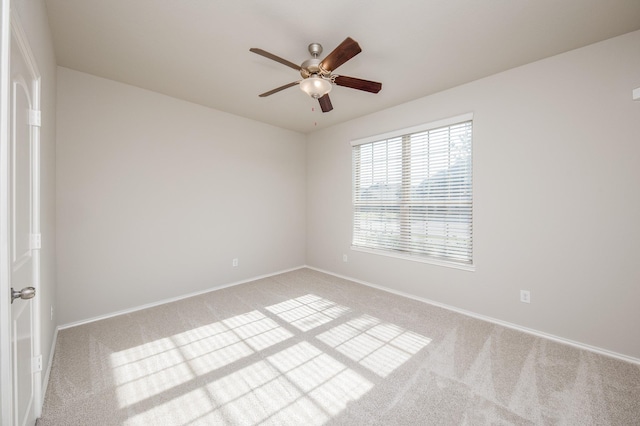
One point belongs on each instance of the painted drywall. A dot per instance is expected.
(556, 157)
(157, 196)
(33, 17)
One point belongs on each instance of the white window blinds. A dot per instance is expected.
(412, 193)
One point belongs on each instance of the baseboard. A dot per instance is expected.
(173, 299)
(513, 326)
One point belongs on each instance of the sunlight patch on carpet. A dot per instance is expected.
(218, 373)
(298, 385)
(308, 312)
(147, 370)
(378, 346)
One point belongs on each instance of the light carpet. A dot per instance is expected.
(307, 348)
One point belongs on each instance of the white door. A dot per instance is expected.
(23, 237)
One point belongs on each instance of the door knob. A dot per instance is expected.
(25, 293)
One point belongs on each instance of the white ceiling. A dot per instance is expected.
(198, 50)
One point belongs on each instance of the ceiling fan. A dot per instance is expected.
(317, 75)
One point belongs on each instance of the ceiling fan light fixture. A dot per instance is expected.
(317, 74)
(315, 86)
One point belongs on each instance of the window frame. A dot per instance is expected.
(400, 133)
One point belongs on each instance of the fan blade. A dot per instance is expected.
(277, 89)
(325, 103)
(358, 83)
(275, 58)
(341, 54)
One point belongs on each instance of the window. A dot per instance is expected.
(412, 193)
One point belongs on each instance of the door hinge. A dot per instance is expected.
(36, 241)
(36, 364)
(35, 118)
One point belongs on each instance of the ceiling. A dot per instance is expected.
(198, 50)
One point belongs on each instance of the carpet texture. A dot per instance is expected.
(306, 348)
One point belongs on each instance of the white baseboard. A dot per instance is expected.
(172, 299)
(513, 326)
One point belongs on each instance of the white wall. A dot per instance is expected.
(556, 197)
(156, 196)
(33, 17)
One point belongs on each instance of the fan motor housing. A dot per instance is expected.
(310, 67)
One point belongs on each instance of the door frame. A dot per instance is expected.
(11, 27)
(6, 381)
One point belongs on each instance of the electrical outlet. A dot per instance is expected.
(345, 258)
(51, 312)
(234, 263)
(525, 296)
